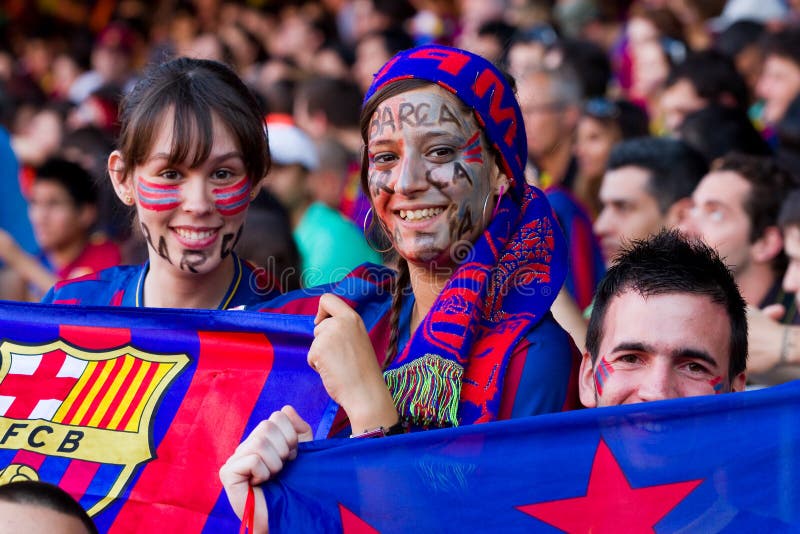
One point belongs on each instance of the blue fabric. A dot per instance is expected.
(725, 463)
(13, 208)
(124, 286)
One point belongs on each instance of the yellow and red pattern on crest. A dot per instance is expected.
(91, 406)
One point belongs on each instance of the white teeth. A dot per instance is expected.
(194, 235)
(416, 215)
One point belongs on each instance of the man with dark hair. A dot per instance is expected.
(668, 322)
(34, 506)
(646, 188)
(62, 208)
(735, 211)
(703, 78)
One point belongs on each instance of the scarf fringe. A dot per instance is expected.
(427, 390)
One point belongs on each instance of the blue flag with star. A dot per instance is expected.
(725, 463)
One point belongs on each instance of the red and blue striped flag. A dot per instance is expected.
(133, 411)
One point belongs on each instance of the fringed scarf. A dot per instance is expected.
(452, 369)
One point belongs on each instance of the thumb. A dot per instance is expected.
(774, 311)
(303, 429)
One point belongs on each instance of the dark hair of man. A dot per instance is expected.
(665, 263)
(713, 76)
(197, 90)
(716, 130)
(339, 100)
(738, 36)
(72, 177)
(790, 210)
(590, 62)
(48, 496)
(502, 32)
(675, 169)
(769, 186)
(784, 44)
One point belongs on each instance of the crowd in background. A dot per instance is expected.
(640, 115)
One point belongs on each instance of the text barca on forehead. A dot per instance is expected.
(412, 114)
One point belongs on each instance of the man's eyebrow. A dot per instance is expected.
(633, 346)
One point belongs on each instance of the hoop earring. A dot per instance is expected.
(483, 211)
(367, 228)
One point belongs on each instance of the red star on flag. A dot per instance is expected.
(611, 504)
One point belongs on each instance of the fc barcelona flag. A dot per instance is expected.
(726, 463)
(133, 411)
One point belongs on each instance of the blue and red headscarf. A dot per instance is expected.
(452, 369)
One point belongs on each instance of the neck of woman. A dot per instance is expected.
(426, 283)
(165, 286)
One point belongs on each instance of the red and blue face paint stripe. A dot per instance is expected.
(717, 384)
(601, 374)
(472, 149)
(232, 199)
(157, 197)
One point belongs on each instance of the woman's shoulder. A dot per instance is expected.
(101, 288)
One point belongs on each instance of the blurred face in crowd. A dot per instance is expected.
(718, 217)
(371, 54)
(778, 85)
(545, 116)
(659, 347)
(650, 69)
(677, 101)
(791, 245)
(523, 57)
(593, 145)
(629, 210)
(58, 223)
(430, 174)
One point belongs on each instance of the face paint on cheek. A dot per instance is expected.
(717, 384)
(434, 179)
(233, 199)
(161, 249)
(602, 371)
(379, 181)
(229, 242)
(472, 152)
(157, 197)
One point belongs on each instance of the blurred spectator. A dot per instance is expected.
(716, 130)
(373, 50)
(735, 210)
(527, 50)
(112, 62)
(779, 82)
(550, 103)
(491, 41)
(587, 60)
(330, 246)
(267, 242)
(741, 43)
(328, 108)
(603, 123)
(646, 188)
(703, 78)
(62, 211)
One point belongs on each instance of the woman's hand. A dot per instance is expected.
(260, 457)
(343, 355)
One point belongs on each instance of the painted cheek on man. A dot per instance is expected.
(602, 372)
(717, 384)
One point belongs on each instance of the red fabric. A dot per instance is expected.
(97, 255)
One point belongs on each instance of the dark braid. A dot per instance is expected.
(403, 279)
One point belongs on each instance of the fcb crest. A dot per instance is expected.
(81, 419)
